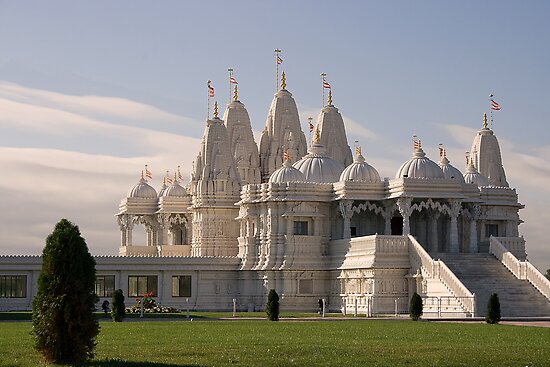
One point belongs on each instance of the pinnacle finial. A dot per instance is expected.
(216, 109)
(329, 102)
(316, 135)
(283, 81)
(484, 120)
(235, 94)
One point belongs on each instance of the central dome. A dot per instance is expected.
(360, 170)
(318, 167)
(419, 166)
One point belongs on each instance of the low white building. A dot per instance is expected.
(316, 224)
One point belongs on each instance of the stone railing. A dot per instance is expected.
(439, 270)
(391, 244)
(521, 269)
(516, 245)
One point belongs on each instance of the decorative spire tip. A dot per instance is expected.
(216, 109)
(283, 81)
(235, 94)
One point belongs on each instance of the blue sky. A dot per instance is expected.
(89, 91)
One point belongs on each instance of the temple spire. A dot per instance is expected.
(283, 81)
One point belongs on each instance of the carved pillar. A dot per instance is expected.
(388, 214)
(162, 236)
(125, 224)
(346, 210)
(433, 217)
(404, 206)
(455, 206)
(475, 213)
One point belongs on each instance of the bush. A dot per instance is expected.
(272, 307)
(493, 310)
(149, 305)
(415, 307)
(118, 308)
(64, 324)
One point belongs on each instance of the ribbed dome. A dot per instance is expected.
(420, 167)
(286, 173)
(360, 170)
(472, 176)
(175, 190)
(450, 171)
(142, 190)
(318, 167)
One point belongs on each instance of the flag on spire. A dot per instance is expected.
(286, 155)
(325, 84)
(179, 174)
(210, 89)
(279, 60)
(357, 150)
(494, 105)
(148, 173)
(232, 80)
(311, 127)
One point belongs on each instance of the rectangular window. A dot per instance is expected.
(300, 228)
(181, 286)
(13, 286)
(305, 286)
(104, 285)
(138, 286)
(491, 230)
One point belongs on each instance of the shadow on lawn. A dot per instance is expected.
(121, 363)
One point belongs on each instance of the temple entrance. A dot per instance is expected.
(397, 226)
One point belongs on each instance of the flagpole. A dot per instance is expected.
(323, 76)
(230, 70)
(309, 119)
(208, 99)
(491, 109)
(277, 51)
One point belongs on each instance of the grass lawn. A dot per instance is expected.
(326, 343)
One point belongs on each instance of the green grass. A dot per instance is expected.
(329, 343)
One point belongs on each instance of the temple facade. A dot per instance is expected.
(314, 221)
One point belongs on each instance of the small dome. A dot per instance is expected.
(472, 176)
(419, 166)
(450, 171)
(286, 173)
(175, 190)
(318, 167)
(360, 170)
(142, 190)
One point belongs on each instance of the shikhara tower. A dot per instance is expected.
(319, 223)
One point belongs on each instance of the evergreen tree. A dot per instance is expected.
(415, 307)
(493, 310)
(64, 324)
(118, 309)
(272, 307)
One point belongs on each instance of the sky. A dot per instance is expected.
(91, 91)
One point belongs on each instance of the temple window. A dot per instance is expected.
(305, 286)
(181, 286)
(301, 228)
(13, 286)
(138, 286)
(491, 230)
(104, 285)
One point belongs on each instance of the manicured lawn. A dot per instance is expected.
(298, 343)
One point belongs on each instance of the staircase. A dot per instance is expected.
(484, 274)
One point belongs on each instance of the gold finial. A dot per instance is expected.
(235, 94)
(329, 102)
(216, 109)
(283, 81)
(484, 120)
(316, 135)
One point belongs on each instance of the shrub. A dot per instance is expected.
(493, 310)
(118, 308)
(64, 324)
(272, 307)
(415, 307)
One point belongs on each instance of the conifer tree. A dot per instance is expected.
(493, 310)
(118, 310)
(272, 307)
(415, 307)
(64, 325)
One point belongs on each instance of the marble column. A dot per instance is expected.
(346, 210)
(404, 206)
(455, 206)
(388, 214)
(433, 217)
(475, 212)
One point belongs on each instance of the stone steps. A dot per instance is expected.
(483, 274)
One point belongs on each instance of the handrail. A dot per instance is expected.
(521, 269)
(439, 270)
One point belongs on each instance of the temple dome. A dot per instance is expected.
(175, 190)
(286, 173)
(450, 171)
(360, 170)
(142, 190)
(419, 166)
(318, 167)
(472, 176)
